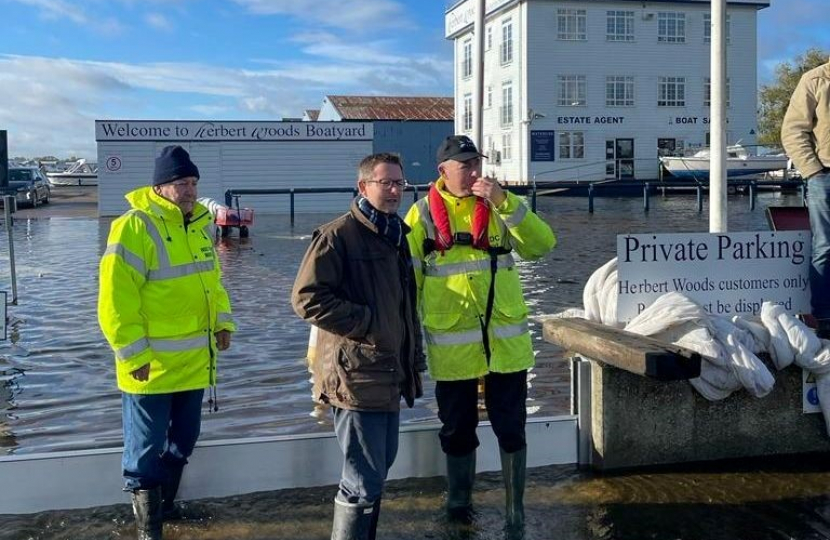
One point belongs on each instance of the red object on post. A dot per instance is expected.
(230, 217)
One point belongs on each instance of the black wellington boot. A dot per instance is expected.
(352, 521)
(147, 510)
(168, 494)
(373, 526)
(513, 469)
(461, 474)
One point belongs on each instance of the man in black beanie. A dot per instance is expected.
(165, 313)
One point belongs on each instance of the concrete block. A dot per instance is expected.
(638, 421)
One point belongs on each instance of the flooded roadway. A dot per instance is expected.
(751, 500)
(58, 391)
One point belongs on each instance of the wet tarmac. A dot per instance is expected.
(783, 499)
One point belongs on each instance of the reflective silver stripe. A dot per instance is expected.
(155, 236)
(132, 349)
(178, 345)
(416, 264)
(180, 270)
(453, 338)
(481, 265)
(224, 318)
(516, 217)
(425, 218)
(474, 336)
(129, 257)
(511, 330)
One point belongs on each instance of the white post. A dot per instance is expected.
(717, 126)
(478, 76)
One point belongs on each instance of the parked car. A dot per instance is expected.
(29, 185)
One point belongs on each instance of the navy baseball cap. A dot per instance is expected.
(458, 148)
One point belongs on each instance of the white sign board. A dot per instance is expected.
(464, 13)
(215, 131)
(728, 273)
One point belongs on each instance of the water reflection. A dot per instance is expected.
(753, 499)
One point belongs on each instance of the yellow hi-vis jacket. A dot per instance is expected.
(453, 288)
(161, 297)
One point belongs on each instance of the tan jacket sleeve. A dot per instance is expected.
(797, 128)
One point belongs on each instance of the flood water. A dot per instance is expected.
(58, 392)
(57, 382)
(751, 500)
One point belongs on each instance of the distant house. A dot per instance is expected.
(412, 126)
(310, 115)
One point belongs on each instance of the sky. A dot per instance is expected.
(66, 63)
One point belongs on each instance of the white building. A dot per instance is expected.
(236, 155)
(592, 89)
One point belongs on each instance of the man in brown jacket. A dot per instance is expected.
(356, 284)
(805, 134)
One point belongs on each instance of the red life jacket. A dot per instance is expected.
(444, 237)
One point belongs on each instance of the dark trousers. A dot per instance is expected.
(504, 396)
(160, 431)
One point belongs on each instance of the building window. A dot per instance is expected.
(488, 40)
(672, 92)
(507, 104)
(488, 145)
(507, 146)
(571, 24)
(507, 41)
(572, 90)
(571, 145)
(467, 118)
(671, 27)
(619, 91)
(620, 26)
(707, 92)
(707, 27)
(467, 59)
(489, 101)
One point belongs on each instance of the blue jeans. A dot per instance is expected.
(818, 202)
(160, 431)
(369, 441)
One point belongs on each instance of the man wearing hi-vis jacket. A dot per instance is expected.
(165, 313)
(474, 315)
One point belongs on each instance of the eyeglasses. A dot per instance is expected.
(387, 183)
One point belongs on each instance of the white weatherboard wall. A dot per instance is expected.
(540, 57)
(236, 155)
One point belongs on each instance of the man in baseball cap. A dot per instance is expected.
(474, 317)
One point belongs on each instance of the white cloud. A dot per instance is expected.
(365, 15)
(158, 21)
(44, 117)
(57, 9)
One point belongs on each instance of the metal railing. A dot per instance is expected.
(648, 187)
(232, 195)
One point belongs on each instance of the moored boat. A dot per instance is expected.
(81, 173)
(739, 162)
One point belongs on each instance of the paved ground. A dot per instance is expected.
(65, 201)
